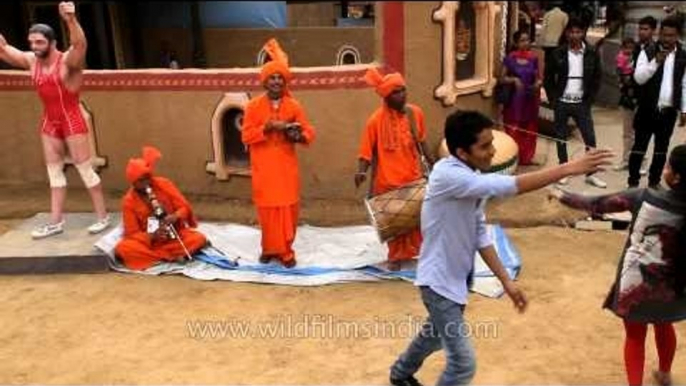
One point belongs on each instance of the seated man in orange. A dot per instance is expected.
(273, 124)
(389, 143)
(147, 238)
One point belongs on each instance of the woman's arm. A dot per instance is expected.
(609, 203)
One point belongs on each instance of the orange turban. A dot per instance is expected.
(384, 84)
(278, 63)
(138, 167)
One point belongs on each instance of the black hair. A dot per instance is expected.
(515, 38)
(576, 22)
(462, 129)
(44, 30)
(649, 21)
(677, 161)
(672, 22)
(518, 35)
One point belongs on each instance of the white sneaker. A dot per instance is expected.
(595, 181)
(563, 181)
(100, 226)
(47, 230)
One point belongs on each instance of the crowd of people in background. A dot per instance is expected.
(570, 72)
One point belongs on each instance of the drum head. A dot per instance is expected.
(506, 153)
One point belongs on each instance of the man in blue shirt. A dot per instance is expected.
(454, 229)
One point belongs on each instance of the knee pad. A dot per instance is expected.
(88, 175)
(56, 175)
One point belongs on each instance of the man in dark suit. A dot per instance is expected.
(571, 81)
(661, 80)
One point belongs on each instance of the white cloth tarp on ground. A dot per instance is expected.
(325, 256)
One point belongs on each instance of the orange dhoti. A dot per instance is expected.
(279, 225)
(138, 253)
(405, 247)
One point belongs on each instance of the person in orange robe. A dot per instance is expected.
(388, 138)
(139, 249)
(273, 124)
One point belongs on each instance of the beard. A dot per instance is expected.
(397, 104)
(275, 93)
(41, 54)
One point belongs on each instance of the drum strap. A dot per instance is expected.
(370, 192)
(423, 164)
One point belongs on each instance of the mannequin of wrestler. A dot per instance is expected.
(59, 137)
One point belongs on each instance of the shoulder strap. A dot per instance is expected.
(413, 129)
(373, 165)
(370, 191)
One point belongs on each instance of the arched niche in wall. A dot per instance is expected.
(469, 48)
(230, 155)
(98, 161)
(348, 55)
(262, 58)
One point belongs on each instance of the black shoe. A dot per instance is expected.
(409, 381)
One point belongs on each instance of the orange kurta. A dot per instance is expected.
(388, 135)
(136, 249)
(275, 175)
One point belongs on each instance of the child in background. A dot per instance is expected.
(625, 67)
(627, 99)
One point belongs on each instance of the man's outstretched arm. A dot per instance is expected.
(13, 56)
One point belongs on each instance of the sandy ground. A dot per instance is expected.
(121, 329)
(124, 329)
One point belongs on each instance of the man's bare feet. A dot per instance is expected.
(661, 378)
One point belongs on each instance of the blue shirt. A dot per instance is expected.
(454, 225)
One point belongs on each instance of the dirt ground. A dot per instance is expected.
(126, 329)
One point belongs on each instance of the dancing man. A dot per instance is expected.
(454, 230)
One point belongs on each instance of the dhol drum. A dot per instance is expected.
(506, 155)
(396, 212)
